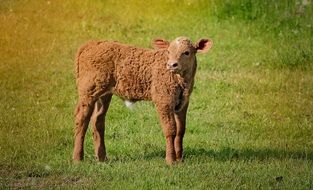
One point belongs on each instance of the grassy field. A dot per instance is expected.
(250, 122)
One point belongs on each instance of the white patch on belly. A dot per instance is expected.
(129, 104)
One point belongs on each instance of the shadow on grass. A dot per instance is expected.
(228, 153)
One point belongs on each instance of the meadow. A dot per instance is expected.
(249, 124)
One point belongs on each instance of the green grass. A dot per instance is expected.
(250, 122)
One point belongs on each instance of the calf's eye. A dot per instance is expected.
(186, 53)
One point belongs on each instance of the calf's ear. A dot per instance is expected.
(203, 45)
(160, 44)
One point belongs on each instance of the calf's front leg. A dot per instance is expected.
(180, 119)
(167, 120)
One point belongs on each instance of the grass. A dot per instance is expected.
(250, 122)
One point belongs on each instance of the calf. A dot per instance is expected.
(164, 76)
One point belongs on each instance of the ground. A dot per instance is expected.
(250, 122)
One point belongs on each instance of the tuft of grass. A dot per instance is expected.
(249, 125)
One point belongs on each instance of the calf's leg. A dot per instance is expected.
(83, 113)
(98, 123)
(169, 129)
(180, 119)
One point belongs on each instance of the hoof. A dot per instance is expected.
(170, 161)
(102, 159)
(77, 158)
(76, 161)
(179, 160)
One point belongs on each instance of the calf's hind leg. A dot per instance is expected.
(98, 123)
(83, 113)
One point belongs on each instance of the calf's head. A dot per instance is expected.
(182, 52)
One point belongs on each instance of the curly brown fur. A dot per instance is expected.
(164, 76)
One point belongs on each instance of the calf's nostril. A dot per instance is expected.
(175, 65)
